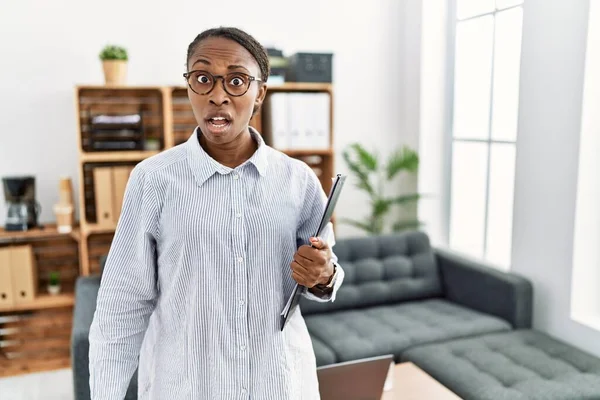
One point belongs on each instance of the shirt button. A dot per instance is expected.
(243, 347)
(244, 391)
(240, 259)
(236, 176)
(241, 303)
(238, 215)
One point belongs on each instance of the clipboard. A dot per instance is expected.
(332, 199)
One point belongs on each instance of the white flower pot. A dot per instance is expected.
(54, 290)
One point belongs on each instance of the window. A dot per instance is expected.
(485, 94)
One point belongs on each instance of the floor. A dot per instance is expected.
(58, 385)
(54, 385)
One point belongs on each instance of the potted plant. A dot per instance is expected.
(376, 178)
(114, 62)
(54, 283)
(152, 144)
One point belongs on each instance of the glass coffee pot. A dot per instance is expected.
(17, 216)
(22, 208)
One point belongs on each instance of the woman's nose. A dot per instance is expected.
(219, 96)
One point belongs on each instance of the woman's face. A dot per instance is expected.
(220, 116)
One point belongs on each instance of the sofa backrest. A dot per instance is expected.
(382, 270)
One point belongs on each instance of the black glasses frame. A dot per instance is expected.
(250, 78)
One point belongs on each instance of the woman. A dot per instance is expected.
(212, 235)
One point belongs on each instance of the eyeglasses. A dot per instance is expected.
(235, 83)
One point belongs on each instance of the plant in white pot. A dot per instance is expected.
(54, 283)
(114, 63)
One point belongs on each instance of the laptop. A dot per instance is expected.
(361, 379)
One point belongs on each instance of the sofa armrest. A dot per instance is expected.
(472, 284)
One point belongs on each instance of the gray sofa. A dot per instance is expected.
(467, 325)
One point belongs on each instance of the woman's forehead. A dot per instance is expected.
(222, 52)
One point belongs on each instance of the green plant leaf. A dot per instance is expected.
(363, 176)
(381, 207)
(405, 159)
(367, 160)
(54, 278)
(407, 198)
(405, 225)
(112, 52)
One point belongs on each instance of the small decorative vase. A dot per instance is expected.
(54, 289)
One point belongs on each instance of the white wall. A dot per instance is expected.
(554, 44)
(585, 306)
(49, 47)
(434, 140)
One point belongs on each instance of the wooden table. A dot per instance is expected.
(412, 383)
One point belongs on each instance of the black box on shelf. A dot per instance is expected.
(115, 132)
(309, 67)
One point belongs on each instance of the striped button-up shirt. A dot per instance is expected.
(197, 275)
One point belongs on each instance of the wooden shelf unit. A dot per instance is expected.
(42, 302)
(35, 334)
(46, 231)
(168, 113)
(112, 156)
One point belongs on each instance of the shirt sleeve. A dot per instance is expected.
(127, 293)
(314, 204)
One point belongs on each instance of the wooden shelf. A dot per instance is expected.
(20, 367)
(45, 232)
(167, 110)
(42, 302)
(117, 156)
(304, 153)
(90, 229)
(117, 87)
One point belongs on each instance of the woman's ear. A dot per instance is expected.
(260, 97)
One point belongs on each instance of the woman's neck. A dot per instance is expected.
(231, 154)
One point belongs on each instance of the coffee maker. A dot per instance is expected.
(22, 208)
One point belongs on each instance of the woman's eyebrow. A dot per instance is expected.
(201, 60)
(236, 66)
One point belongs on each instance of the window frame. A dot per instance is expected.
(450, 139)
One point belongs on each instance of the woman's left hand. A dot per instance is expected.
(312, 264)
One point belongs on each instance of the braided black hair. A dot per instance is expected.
(241, 37)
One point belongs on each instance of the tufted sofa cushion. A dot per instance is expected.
(382, 270)
(391, 329)
(519, 365)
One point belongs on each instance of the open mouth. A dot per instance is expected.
(218, 121)
(218, 125)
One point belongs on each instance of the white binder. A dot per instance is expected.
(297, 120)
(320, 106)
(279, 120)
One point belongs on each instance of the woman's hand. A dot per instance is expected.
(312, 265)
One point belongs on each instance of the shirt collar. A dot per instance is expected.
(204, 166)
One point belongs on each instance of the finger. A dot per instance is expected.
(305, 254)
(318, 243)
(311, 257)
(296, 266)
(299, 278)
(308, 274)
